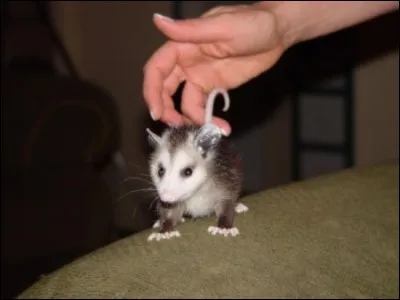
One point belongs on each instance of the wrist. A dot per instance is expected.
(290, 35)
(299, 21)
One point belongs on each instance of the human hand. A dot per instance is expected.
(224, 48)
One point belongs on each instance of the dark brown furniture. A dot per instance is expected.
(56, 134)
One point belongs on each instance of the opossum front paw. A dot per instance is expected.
(158, 236)
(157, 223)
(241, 208)
(214, 230)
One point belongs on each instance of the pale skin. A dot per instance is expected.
(230, 45)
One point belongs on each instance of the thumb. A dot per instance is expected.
(201, 30)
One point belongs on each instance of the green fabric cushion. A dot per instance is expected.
(334, 236)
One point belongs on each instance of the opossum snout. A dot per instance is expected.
(169, 196)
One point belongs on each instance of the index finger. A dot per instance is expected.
(156, 71)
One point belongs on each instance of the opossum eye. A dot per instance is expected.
(187, 172)
(161, 171)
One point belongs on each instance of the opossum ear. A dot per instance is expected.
(154, 139)
(207, 138)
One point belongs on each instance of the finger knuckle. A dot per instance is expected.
(186, 108)
(215, 10)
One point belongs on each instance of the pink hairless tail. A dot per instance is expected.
(211, 100)
(209, 109)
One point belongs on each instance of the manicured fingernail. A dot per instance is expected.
(153, 116)
(162, 17)
(224, 132)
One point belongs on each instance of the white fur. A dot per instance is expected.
(157, 223)
(202, 203)
(195, 190)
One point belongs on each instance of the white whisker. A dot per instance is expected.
(137, 178)
(152, 201)
(145, 174)
(134, 211)
(135, 191)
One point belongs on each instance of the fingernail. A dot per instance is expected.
(153, 116)
(224, 132)
(162, 17)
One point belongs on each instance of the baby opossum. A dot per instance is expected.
(196, 173)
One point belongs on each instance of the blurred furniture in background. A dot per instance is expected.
(55, 205)
(58, 134)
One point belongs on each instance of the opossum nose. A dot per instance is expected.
(168, 197)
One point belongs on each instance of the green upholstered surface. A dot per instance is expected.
(334, 236)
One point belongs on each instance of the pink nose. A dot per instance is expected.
(168, 197)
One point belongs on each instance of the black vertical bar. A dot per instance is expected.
(350, 101)
(177, 10)
(295, 136)
(349, 144)
(295, 115)
(5, 21)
